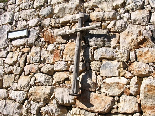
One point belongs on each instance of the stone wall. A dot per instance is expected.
(117, 60)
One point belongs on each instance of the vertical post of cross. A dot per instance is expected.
(75, 83)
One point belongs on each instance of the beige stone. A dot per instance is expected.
(147, 96)
(114, 86)
(95, 65)
(96, 16)
(3, 94)
(40, 93)
(139, 69)
(12, 58)
(94, 102)
(32, 68)
(59, 77)
(34, 55)
(146, 55)
(8, 80)
(128, 104)
(61, 66)
(48, 69)
(135, 86)
(69, 51)
(24, 83)
(63, 97)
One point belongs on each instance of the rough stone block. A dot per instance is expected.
(152, 3)
(1, 70)
(104, 52)
(24, 83)
(12, 58)
(28, 14)
(3, 94)
(32, 68)
(128, 104)
(3, 54)
(33, 22)
(39, 3)
(147, 96)
(46, 12)
(7, 17)
(122, 55)
(61, 66)
(63, 97)
(114, 86)
(135, 86)
(43, 79)
(18, 96)
(94, 102)
(40, 93)
(96, 16)
(59, 77)
(48, 69)
(110, 68)
(139, 69)
(34, 55)
(8, 80)
(9, 107)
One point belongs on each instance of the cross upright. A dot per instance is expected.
(75, 83)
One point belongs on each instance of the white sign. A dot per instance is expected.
(17, 34)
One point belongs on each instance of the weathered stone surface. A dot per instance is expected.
(8, 80)
(63, 97)
(48, 69)
(3, 94)
(122, 55)
(48, 36)
(1, 70)
(135, 86)
(7, 17)
(3, 54)
(53, 109)
(12, 58)
(40, 93)
(104, 52)
(33, 22)
(152, 3)
(140, 17)
(43, 79)
(24, 83)
(28, 14)
(147, 96)
(110, 68)
(94, 102)
(9, 107)
(110, 15)
(134, 5)
(128, 104)
(61, 66)
(1, 83)
(145, 55)
(39, 3)
(18, 96)
(34, 55)
(118, 3)
(19, 42)
(46, 12)
(96, 41)
(69, 51)
(34, 32)
(32, 68)
(114, 86)
(59, 77)
(96, 16)
(139, 69)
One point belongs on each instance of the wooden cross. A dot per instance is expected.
(75, 84)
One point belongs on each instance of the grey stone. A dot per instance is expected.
(134, 5)
(104, 52)
(34, 33)
(34, 55)
(1, 5)
(8, 80)
(3, 94)
(28, 14)
(63, 97)
(33, 22)
(9, 107)
(48, 69)
(43, 79)
(61, 66)
(95, 41)
(109, 68)
(46, 22)
(152, 3)
(114, 86)
(22, 24)
(46, 12)
(12, 58)
(128, 104)
(18, 96)
(7, 17)
(110, 15)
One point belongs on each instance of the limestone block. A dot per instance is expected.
(132, 56)
(8, 80)
(118, 26)
(63, 97)
(12, 58)
(96, 41)
(32, 68)
(106, 5)
(53, 109)
(139, 69)
(39, 3)
(61, 66)
(59, 77)
(1, 5)
(19, 42)
(7, 17)
(18, 96)
(9, 107)
(82, 67)
(48, 36)
(23, 60)
(104, 52)
(34, 32)
(134, 5)
(48, 69)
(43, 79)
(147, 96)
(17, 70)
(3, 94)
(33, 22)
(3, 54)
(46, 12)
(1, 70)
(34, 55)
(114, 86)
(122, 55)
(118, 3)
(24, 83)
(152, 3)
(140, 17)
(110, 15)
(96, 16)
(95, 65)
(28, 14)
(110, 68)
(94, 102)
(135, 86)
(46, 22)
(40, 93)
(69, 52)
(128, 104)
(145, 55)
(51, 47)
(69, 19)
